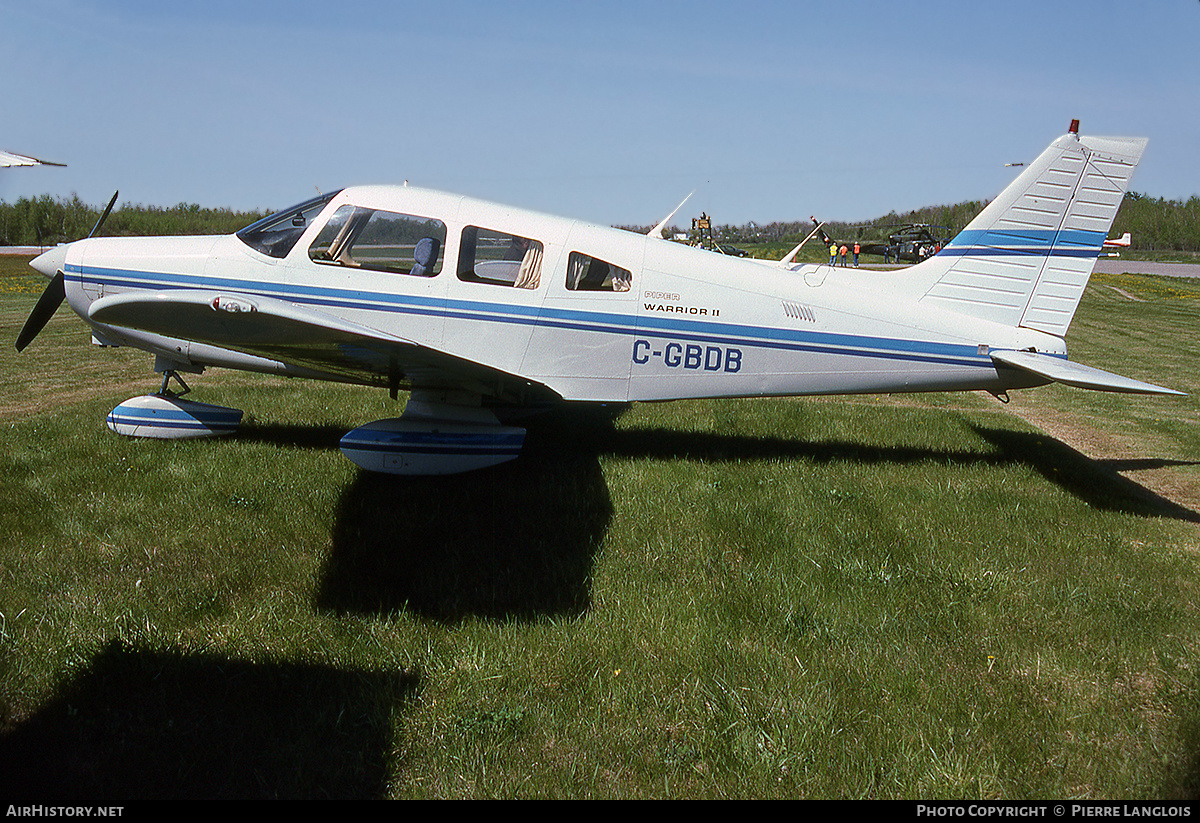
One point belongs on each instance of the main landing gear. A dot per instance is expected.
(435, 435)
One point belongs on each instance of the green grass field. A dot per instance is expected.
(906, 597)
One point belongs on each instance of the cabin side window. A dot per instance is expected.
(585, 273)
(501, 259)
(380, 240)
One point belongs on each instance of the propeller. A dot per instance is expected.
(54, 294)
(47, 304)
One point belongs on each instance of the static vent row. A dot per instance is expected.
(798, 312)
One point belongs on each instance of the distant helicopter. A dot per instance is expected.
(911, 242)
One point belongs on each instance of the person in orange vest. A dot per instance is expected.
(856, 250)
(844, 255)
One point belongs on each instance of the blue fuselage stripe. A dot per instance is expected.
(629, 325)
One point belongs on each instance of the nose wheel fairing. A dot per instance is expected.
(169, 417)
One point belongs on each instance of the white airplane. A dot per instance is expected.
(9, 159)
(480, 309)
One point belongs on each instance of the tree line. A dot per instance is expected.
(1156, 224)
(46, 221)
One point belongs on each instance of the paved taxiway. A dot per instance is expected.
(1116, 266)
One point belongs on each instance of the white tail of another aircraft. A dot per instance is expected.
(1026, 259)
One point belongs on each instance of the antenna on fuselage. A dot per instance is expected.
(657, 230)
(787, 260)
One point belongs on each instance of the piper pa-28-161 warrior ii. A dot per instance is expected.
(476, 308)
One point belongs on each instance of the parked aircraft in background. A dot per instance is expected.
(481, 309)
(1122, 242)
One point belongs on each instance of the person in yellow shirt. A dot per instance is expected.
(832, 253)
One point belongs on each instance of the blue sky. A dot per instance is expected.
(609, 111)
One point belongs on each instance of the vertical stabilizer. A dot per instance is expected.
(1026, 259)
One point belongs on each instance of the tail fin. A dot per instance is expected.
(1026, 259)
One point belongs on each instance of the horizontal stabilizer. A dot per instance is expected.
(1062, 370)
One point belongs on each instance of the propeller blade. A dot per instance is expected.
(104, 216)
(47, 304)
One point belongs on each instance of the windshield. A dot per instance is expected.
(275, 235)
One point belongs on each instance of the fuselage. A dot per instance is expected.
(590, 312)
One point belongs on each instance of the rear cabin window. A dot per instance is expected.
(380, 240)
(586, 273)
(501, 259)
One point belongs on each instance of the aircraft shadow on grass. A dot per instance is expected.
(141, 724)
(515, 540)
(519, 540)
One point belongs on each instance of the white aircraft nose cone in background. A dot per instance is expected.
(50, 263)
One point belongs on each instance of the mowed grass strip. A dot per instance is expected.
(876, 597)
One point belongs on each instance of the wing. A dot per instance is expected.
(314, 340)
(10, 159)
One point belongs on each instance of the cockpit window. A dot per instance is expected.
(277, 234)
(381, 241)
